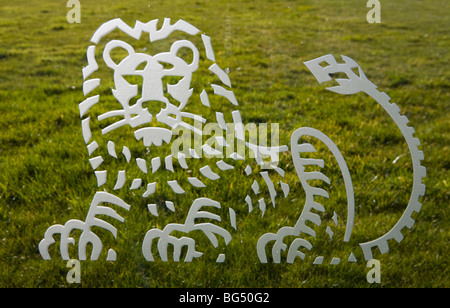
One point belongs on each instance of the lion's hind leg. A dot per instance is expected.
(321, 218)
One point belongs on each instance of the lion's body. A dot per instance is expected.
(130, 127)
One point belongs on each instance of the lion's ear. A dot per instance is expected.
(120, 56)
(186, 51)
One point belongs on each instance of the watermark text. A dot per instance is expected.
(74, 14)
(74, 275)
(374, 15)
(374, 274)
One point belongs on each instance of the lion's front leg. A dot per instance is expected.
(87, 235)
(166, 237)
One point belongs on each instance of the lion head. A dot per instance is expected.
(152, 88)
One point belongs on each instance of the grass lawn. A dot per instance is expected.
(46, 177)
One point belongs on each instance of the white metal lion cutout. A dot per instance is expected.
(166, 79)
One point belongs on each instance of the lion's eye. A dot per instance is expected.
(166, 65)
(134, 79)
(172, 80)
(141, 66)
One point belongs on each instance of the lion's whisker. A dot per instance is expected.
(114, 126)
(189, 127)
(193, 116)
(110, 114)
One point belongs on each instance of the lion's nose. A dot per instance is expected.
(154, 107)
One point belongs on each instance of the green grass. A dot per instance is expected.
(46, 178)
